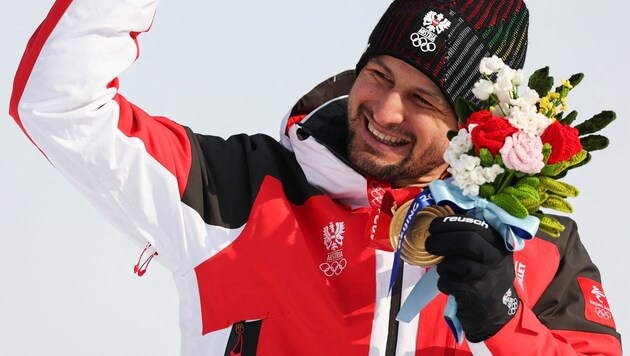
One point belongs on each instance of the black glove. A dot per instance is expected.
(477, 270)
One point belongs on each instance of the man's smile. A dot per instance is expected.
(386, 139)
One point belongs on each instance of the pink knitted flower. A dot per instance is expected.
(523, 153)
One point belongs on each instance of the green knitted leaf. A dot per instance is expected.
(543, 195)
(576, 79)
(596, 123)
(532, 192)
(553, 170)
(505, 179)
(527, 195)
(558, 203)
(462, 111)
(569, 119)
(510, 204)
(549, 225)
(541, 82)
(498, 179)
(594, 142)
(531, 205)
(560, 188)
(450, 134)
(523, 191)
(582, 162)
(533, 182)
(559, 116)
(498, 159)
(564, 91)
(578, 158)
(546, 151)
(486, 190)
(486, 157)
(493, 100)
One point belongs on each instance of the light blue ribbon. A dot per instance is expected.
(424, 292)
(515, 232)
(420, 201)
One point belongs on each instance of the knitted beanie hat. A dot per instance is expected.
(446, 40)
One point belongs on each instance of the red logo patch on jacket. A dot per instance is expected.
(596, 308)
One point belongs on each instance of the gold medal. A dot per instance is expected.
(413, 250)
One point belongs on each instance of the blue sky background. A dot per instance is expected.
(66, 281)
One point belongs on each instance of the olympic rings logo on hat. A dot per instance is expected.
(422, 42)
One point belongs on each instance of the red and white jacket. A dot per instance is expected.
(276, 248)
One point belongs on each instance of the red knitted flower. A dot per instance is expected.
(564, 141)
(490, 132)
(477, 118)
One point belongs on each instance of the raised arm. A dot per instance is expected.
(133, 167)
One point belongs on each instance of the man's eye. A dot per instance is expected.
(421, 100)
(381, 75)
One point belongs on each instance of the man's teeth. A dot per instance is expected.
(383, 137)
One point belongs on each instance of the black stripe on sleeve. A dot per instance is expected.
(562, 305)
(226, 176)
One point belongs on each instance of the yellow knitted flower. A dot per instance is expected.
(567, 84)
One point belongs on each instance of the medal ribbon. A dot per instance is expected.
(420, 201)
(424, 292)
(514, 231)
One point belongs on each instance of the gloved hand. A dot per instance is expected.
(477, 270)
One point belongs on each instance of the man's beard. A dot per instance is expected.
(365, 158)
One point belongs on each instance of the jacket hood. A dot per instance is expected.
(316, 131)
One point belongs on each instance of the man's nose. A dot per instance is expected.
(390, 109)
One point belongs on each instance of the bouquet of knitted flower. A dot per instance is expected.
(513, 149)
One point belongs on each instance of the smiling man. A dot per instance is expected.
(398, 120)
(282, 247)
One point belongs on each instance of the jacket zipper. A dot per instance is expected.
(392, 334)
(243, 339)
(238, 347)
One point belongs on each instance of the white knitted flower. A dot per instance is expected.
(469, 175)
(530, 97)
(527, 101)
(491, 65)
(528, 120)
(466, 163)
(492, 172)
(462, 142)
(504, 85)
(483, 88)
(458, 146)
(519, 77)
(506, 74)
(503, 91)
(471, 190)
(501, 110)
(469, 181)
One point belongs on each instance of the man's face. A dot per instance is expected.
(398, 120)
